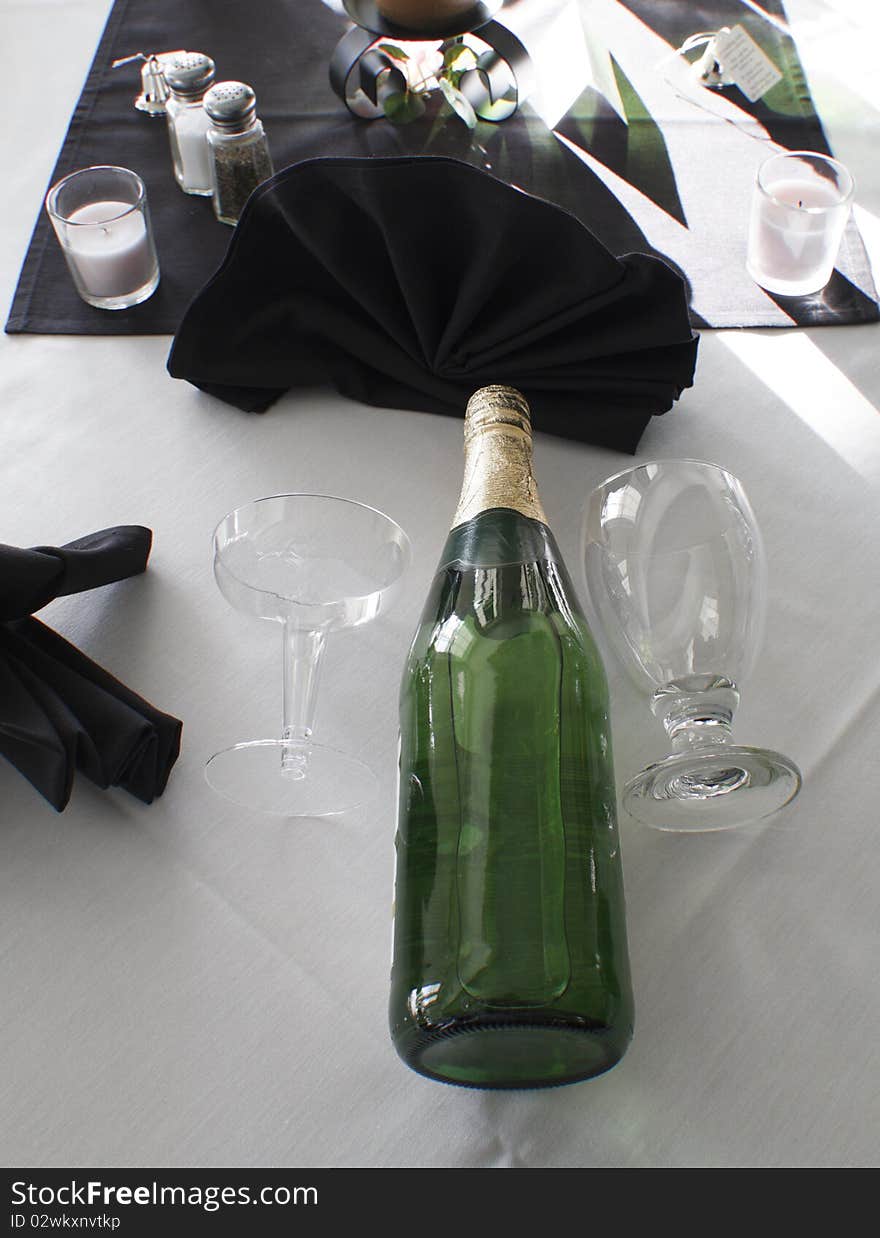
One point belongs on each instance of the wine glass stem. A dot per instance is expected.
(303, 651)
(699, 733)
(696, 711)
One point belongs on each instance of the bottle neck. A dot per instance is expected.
(497, 462)
(497, 538)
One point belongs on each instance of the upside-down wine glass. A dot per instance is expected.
(675, 568)
(314, 564)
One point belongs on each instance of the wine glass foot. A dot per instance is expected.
(318, 782)
(713, 789)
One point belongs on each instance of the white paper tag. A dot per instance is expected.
(744, 63)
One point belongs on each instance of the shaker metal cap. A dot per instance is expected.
(190, 74)
(232, 106)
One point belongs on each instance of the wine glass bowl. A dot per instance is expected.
(315, 564)
(676, 569)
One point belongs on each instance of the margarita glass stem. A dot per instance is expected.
(303, 654)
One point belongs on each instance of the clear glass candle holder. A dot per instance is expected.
(102, 222)
(800, 207)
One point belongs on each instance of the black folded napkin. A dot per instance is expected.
(59, 711)
(409, 282)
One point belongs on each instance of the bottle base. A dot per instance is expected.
(506, 1055)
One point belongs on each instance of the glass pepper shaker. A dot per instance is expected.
(240, 157)
(188, 77)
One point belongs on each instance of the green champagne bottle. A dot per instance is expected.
(510, 960)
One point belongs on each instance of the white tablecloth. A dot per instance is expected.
(189, 985)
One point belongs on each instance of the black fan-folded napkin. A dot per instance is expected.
(59, 711)
(409, 282)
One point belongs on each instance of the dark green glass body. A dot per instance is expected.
(510, 959)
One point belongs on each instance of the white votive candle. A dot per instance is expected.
(799, 211)
(100, 218)
(114, 257)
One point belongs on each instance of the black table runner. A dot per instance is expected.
(623, 170)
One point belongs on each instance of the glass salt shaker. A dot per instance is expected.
(188, 77)
(240, 157)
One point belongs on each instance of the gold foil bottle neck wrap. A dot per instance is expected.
(496, 405)
(498, 456)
